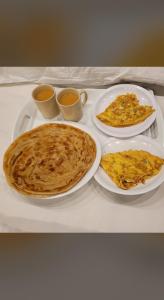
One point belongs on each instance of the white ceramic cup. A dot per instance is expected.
(72, 112)
(48, 107)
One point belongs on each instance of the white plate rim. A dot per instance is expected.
(117, 190)
(108, 129)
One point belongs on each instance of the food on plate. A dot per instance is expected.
(124, 111)
(129, 168)
(49, 159)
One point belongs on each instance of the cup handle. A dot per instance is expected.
(84, 100)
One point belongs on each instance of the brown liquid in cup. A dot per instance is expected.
(68, 98)
(45, 94)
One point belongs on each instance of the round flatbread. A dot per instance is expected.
(49, 159)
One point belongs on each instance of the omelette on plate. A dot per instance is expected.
(129, 168)
(49, 159)
(124, 111)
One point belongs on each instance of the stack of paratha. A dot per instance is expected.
(49, 159)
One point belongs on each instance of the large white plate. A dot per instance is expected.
(90, 172)
(140, 142)
(101, 104)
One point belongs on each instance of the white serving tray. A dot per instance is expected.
(92, 209)
(29, 117)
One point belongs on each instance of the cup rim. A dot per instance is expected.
(63, 90)
(43, 85)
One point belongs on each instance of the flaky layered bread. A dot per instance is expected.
(49, 159)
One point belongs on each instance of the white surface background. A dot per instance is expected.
(87, 76)
(92, 209)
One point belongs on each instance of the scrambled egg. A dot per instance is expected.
(124, 111)
(129, 168)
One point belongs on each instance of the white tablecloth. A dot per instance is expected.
(91, 209)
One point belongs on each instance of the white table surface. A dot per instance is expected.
(91, 209)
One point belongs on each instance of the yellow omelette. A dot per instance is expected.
(124, 111)
(129, 168)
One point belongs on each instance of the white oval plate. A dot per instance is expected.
(145, 98)
(140, 142)
(90, 172)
